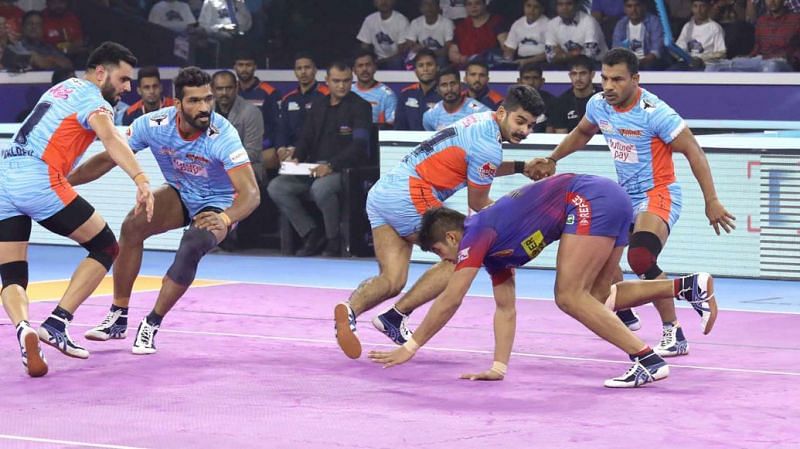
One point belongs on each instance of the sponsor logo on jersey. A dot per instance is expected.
(167, 151)
(503, 253)
(622, 151)
(605, 127)
(487, 170)
(189, 168)
(213, 132)
(463, 255)
(570, 219)
(60, 92)
(157, 120)
(534, 244)
(412, 102)
(630, 132)
(197, 158)
(239, 156)
(293, 106)
(583, 208)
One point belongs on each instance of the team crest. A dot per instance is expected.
(487, 170)
(463, 255)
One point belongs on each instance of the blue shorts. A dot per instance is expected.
(664, 201)
(28, 186)
(598, 206)
(399, 201)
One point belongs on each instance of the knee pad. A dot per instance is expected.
(195, 243)
(103, 247)
(14, 273)
(643, 254)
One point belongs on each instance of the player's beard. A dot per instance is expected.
(109, 92)
(195, 122)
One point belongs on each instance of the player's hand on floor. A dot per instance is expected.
(210, 221)
(718, 216)
(486, 375)
(389, 359)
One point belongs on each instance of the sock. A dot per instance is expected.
(123, 319)
(154, 319)
(56, 323)
(647, 357)
(63, 314)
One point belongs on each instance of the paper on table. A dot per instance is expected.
(294, 168)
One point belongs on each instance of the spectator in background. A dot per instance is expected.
(430, 30)
(455, 9)
(62, 29)
(531, 75)
(480, 35)
(43, 55)
(757, 8)
(13, 18)
(573, 33)
(382, 99)
(702, 37)
(382, 32)
(335, 136)
(607, 13)
(641, 33)
(477, 81)
(150, 90)
(260, 93)
(454, 104)
(525, 41)
(172, 14)
(415, 99)
(739, 34)
(680, 11)
(570, 107)
(220, 22)
(31, 5)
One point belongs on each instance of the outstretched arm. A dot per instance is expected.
(97, 166)
(539, 168)
(246, 200)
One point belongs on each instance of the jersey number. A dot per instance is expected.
(33, 119)
(426, 147)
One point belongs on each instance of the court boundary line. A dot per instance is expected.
(67, 442)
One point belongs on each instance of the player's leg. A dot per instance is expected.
(14, 235)
(170, 213)
(195, 244)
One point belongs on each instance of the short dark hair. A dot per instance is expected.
(61, 74)
(110, 53)
(149, 71)
(221, 73)
(479, 63)
(339, 65)
(435, 223)
(582, 61)
(244, 53)
(524, 97)
(303, 55)
(363, 53)
(190, 77)
(530, 67)
(622, 56)
(425, 52)
(448, 70)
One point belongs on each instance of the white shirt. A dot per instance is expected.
(430, 36)
(383, 35)
(702, 41)
(636, 38)
(176, 16)
(528, 39)
(454, 9)
(215, 15)
(585, 33)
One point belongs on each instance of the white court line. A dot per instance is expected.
(67, 442)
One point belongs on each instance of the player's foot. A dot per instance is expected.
(114, 326)
(673, 343)
(54, 332)
(346, 330)
(648, 368)
(394, 325)
(145, 342)
(32, 355)
(630, 319)
(698, 290)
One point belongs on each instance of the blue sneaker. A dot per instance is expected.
(698, 290)
(641, 373)
(630, 319)
(32, 356)
(673, 343)
(345, 327)
(51, 335)
(396, 329)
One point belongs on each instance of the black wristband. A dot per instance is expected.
(519, 166)
(554, 161)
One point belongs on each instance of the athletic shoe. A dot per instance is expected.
(51, 333)
(698, 290)
(630, 319)
(110, 328)
(345, 327)
(672, 343)
(394, 325)
(145, 342)
(32, 355)
(644, 370)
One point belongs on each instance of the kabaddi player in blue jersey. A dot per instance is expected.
(467, 154)
(642, 132)
(380, 96)
(33, 186)
(454, 105)
(210, 187)
(591, 217)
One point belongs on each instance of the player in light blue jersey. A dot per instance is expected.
(210, 187)
(382, 98)
(642, 132)
(454, 104)
(33, 186)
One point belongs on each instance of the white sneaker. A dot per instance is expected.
(700, 294)
(145, 342)
(639, 375)
(110, 327)
(345, 327)
(673, 343)
(61, 340)
(32, 356)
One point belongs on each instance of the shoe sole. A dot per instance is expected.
(47, 342)
(345, 337)
(133, 351)
(37, 367)
(712, 305)
(96, 336)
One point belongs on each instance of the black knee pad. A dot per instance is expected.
(643, 254)
(195, 243)
(15, 229)
(103, 247)
(14, 273)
